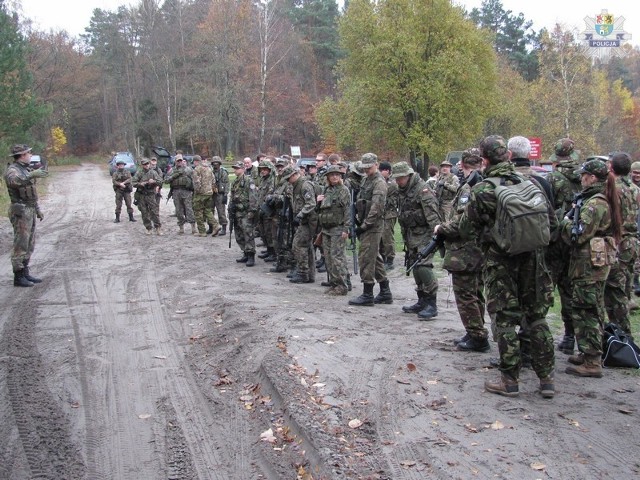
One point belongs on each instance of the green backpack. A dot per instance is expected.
(522, 217)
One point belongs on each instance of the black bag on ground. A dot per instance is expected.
(618, 350)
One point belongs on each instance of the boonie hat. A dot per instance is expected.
(472, 156)
(446, 163)
(334, 169)
(401, 169)
(564, 148)
(287, 172)
(368, 160)
(238, 165)
(19, 149)
(594, 167)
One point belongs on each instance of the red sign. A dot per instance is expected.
(536, 148)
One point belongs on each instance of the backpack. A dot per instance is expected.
(522, 217)
(618, 350)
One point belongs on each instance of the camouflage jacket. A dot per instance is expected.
(21, 188)
(391, 205)
(141, 178)
(335, 208)
(222, 180)
(446, 188)
(417, 212)
(371, 201)
(267, 187)
(628, 194)
(180, 178)
(565, 183)
(461, 255)
(121, 176)
(303, 199)
(244, 197)
(204, 182)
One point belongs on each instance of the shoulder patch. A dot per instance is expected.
(252, 186)
(464, 199)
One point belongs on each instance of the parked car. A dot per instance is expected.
(303, 162)
(37, 161)
(130, 162)
(165, 159)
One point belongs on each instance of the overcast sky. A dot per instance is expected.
(74, 15)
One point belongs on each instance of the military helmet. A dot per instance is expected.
(288, 172)
(368, 160)
(595, 167)
(216, 159)
(401, 169)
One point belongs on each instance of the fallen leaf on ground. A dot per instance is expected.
(471, 428)
(408, 463)
(355, 423)
(267, 436)
(160, 357)
(411, 367)
(144, 416)
(497, 425)
(538, 466)
(626, 410)
(180, 312)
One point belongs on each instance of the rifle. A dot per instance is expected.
(574, 215)
(352, 233)
(232, 220)
(170, 195)
(432, 246)
(288, 214)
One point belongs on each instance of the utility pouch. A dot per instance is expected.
(17, 209)
(598, 247)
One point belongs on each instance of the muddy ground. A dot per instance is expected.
(162, 358)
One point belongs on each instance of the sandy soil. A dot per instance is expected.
(162, 358)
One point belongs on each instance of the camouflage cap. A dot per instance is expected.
(265, 164)
(635, 166)
(494, 149)
(334, 169)
(446, 163)
(357, 168)
(401, 169)
(472, 156)
(288, 172)
(343, 165)
(564, 148)
(368, 160)
(238, 165)
(216, 159)
(197, 158)
(282, 162)
(595, 167)
(144, 161)
(19, 149)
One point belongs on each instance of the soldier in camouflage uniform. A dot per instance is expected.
(617, 291)
(304, 216)
(514, 284)
(146, 182)
(282, 230)
(244, 205)
(24, 209)
(321, 164)
(635, 178)
(370, 203)
(418, 214)
(181, 182)
(204, 186)
(220, 198)
(121, 181)
(266, 214)
(388, 241)
(158, 170)
(334, 217)
(565, 183)
(593, 249)
(463, 260)
(446, 189)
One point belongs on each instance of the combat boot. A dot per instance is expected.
(547, 388)
(419, 305)
(251, 260)
(322, 267)
(300, 278)
(430, 310)
(19, 280)
(474, 344)
(577, 359)
(243, 259)
(148, 232)
(384, 297)
(338, 290)
(366, 299)
(27, 275)
(216, 231)
(327, 284)
(292, 272)
(590, 368)
(210, 229)
(131, 219)
(117, 220)
(265, 254)
(279, 267)
(272, 256)
(464, 338)
(223, 232)
(506, 385)
(181, 230)
(566, 344)
(194, 230)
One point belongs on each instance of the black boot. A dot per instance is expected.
(384, 297)
(131, 219)
(474, 344)
(567, 344)
(292, 272)
(300, 278)
(117, 220)
(19, 280)
(366, 299)
(223, 231)
(322, 267)
(25, 274)
(251, 259)
(418, 306)
(279, 267)
(348, 282)
(243, 259)
(210, 229)
(272, 256)
(430, 310)
(266, 253)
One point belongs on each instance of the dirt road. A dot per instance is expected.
(162, 358)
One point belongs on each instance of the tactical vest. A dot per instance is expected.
(331, 209)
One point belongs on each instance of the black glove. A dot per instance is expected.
(224, 199)
(359, 230)
(295, 221)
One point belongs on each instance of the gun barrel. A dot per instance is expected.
(431, 247)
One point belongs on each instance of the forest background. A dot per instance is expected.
(402, 78)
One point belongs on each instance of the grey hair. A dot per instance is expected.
(520, 147)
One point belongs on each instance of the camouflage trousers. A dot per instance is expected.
(423, 275)
(123, 195)
(266, 227)
(388, 241)
(468, 291)
(588, 315)
(219, 205)
(183, 203)
(203, 213)
(557, 258)
(371, 264)
(615, 297)
(335, 257)
(149, 210)
(303, 252)
(244, 233)
(518, 290)
(23, 220)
